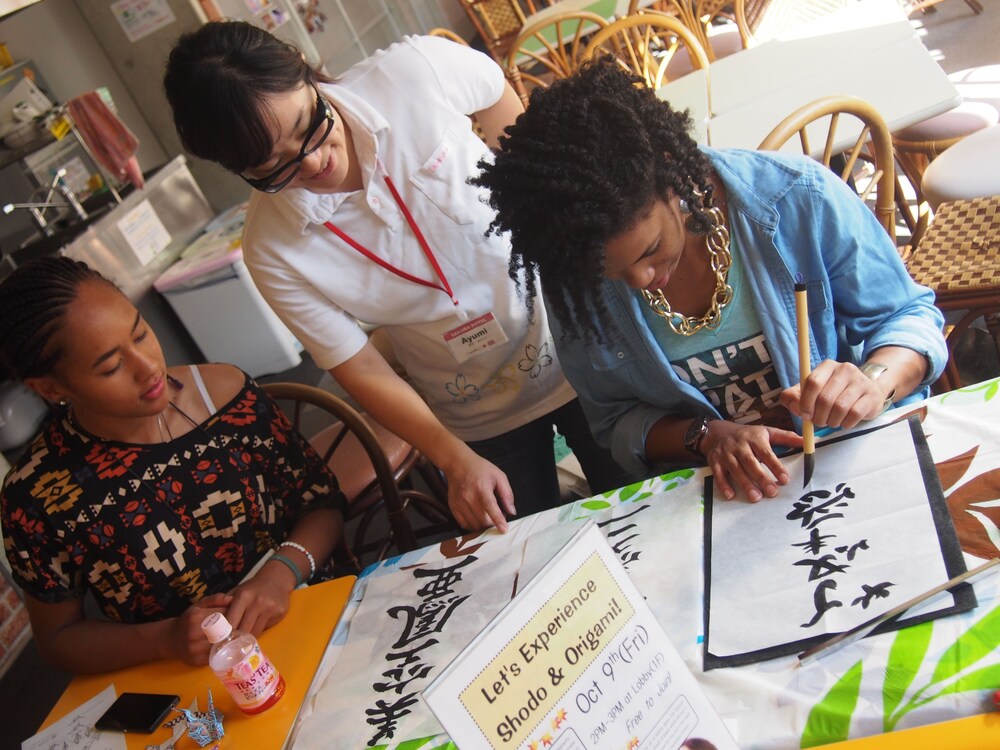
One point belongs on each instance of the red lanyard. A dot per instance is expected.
(444, 286)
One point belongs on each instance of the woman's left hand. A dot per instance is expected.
(836, 394)
(261, 601)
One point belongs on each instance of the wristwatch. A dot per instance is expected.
(873, 371)
(696, 433)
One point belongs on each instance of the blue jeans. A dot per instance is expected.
(527, 456)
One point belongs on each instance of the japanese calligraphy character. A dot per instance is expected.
(816, 542)
(813, 515)
(821, 603)
(878, 591)
(822, 567)
(853, 549)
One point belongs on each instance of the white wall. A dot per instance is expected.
(55, 35)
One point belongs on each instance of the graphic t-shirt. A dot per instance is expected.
(732, 365)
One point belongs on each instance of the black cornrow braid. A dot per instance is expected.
(581, 165)
(33, 301)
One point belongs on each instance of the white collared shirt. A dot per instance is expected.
(407, 107)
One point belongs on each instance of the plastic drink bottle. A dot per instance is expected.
(243, 668)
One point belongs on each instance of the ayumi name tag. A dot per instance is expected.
(474, 337)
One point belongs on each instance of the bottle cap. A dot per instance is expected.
(216, 627)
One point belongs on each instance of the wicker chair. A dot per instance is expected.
(550, 49)
(498, 22)
(701, 17)
(873, 145)
(959, 258)
(646, 43)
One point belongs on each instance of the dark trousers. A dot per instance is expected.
(527, 456)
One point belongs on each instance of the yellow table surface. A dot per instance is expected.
(295, 645)
(980, 732)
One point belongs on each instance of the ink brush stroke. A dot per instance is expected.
(857, 633)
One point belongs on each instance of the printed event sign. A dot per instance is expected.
(576, 660)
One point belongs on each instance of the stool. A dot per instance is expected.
(969, 169)
(959, 258)
(919, 144)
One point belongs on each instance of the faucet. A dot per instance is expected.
(37, 209)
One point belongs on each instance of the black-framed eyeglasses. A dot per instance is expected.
(319, 130)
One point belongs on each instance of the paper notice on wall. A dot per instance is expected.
(140, 18)
(144, 232)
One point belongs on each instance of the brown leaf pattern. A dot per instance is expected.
(968, 498)
(952, 469)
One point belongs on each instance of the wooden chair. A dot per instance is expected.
(447, 34)
(498, 22)
(701, 18)
(373, 467)
(829, 117)
(646, 43)
(550, 49)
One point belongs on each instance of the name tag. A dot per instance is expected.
(475, 337)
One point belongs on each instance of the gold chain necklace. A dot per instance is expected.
(720, 260)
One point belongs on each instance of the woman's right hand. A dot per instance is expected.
(741, 458)
(478, 492)
(186, 640)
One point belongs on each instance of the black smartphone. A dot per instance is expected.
(137, 712)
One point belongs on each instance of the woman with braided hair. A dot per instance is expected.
(669, 271)
(157, 490)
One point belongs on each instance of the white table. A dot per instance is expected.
(868, 50)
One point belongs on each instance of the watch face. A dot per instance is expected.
(695, 432)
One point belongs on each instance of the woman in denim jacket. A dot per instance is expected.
(669, 273)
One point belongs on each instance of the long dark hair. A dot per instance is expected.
(217, 80)
(33, 302)
(582, 164)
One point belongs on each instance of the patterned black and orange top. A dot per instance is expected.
(150, 529)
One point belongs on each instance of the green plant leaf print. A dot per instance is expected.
(975, 643)
(830, 719)
(905, 657)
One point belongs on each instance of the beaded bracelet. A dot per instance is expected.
(291, 566)
(304, 551)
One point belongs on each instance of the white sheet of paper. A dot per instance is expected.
(144, 232)
(75, 731)
(761, 592)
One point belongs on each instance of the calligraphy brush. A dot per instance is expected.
(860, 631)
(802, 319)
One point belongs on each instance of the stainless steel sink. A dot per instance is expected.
(66, 230)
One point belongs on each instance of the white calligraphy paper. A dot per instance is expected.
(871, 531)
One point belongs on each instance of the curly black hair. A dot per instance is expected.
(582, 164)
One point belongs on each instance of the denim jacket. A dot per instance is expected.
(790, 217)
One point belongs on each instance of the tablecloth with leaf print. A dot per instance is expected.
(408, 616)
